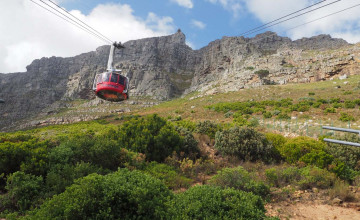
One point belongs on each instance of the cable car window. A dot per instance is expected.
(122, 80)
(105, 77)
(114, 78)
(98, 79)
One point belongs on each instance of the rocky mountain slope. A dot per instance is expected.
(165, 67)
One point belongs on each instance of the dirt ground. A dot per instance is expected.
(313, 206)
(313, 211)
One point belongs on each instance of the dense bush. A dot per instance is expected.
(317, 158)
(23, 191)
(99, 150)
(244, 143)
(207, 127)
(316, 177)
(330, 110)
(189, 147)
(29, 155)
(238, 178)
(152, 136)
(345, 117)
(282, 176)
(296, 148)
(120, 195)
(61, 176)
(305, 178)
(168, 175)
(206, 202)
(347, 154)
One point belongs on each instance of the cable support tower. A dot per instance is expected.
(267, 26)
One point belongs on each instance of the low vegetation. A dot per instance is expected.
(168, 167)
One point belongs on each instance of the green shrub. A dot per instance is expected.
(152, 136)
(239, 120)
(267, 114)
(100, 150)
(228, 114)
(337, 105)
(317, 158)
(316, 177)
(206, 202)
(238, 178)
(23, 191)
(249, 68)
(282, 176)
(244, 143)
(61, 176)
(189, 147)
(330, 110)
(254, 122)
(347, 92)
(343, 171)
(189, 125)
(345, 117)
(167, 175)
(306, 178)
(29, 156)
(207, 127)
(349, 104)
(350, 155)
(120, 195)
(283, 116)
(296, 148)
(311, 93)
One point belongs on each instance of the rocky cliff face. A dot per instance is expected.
(165, 67)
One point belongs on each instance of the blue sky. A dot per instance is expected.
(32, 32)
(202, 23)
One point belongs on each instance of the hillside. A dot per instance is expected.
(163, 68)
(182, 162)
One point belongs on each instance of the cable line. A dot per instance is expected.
(72, 21)
(293, 17)
(328, 15)
(79, 20)
(68, 21)
(75, 21)
(282, 17)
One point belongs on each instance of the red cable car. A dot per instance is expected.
(111, 85)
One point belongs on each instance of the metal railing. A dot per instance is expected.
(343, 130)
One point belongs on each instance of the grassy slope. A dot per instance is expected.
(195, 110)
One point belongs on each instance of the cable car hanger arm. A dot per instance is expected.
(110, 66)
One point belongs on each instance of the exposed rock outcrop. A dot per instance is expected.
(165, 67)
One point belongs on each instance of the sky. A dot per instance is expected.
(30, 32)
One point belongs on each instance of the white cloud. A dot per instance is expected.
(184, 3)
(344, 25)
(198, 24)
(29, 32)
(234, 6)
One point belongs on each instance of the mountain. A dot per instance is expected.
(165, 67)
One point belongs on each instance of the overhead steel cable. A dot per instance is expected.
(328, 15)
(293, 17)
(75, 21)
(76, 25)
(79, 20)
(283, 17)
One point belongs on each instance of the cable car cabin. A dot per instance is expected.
(111, 86)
